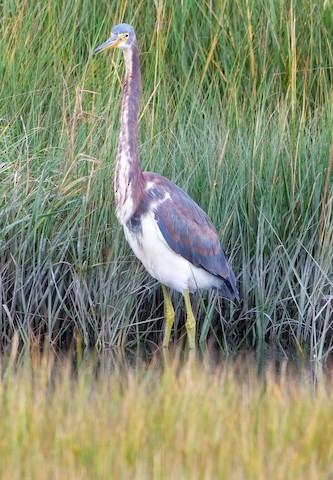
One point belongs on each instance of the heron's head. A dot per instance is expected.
(122, 36)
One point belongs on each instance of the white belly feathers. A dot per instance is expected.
(163, 263)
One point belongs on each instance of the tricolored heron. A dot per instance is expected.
(171, 235)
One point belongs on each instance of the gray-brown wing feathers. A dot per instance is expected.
(190, 233)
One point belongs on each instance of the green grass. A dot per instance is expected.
(139, 422)
(236, 109)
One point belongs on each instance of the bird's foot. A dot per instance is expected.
(169, 314)
(190, 320)
(190, 328)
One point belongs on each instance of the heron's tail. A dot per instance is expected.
(228, 288)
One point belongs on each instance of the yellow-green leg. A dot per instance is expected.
(190, 320)
(169, 314)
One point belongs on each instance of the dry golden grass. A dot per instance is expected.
(181, 421)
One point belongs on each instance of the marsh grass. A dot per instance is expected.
(186, 420)
(236, 109)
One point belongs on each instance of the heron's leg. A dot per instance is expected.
(190, 320)
(169, 314)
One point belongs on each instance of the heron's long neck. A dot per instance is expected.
(128, 173)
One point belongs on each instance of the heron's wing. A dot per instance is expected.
(189, 232)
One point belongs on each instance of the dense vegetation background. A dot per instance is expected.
(236, 109)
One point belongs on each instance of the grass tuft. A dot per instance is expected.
(236, 109)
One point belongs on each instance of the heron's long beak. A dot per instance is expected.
(112, 42)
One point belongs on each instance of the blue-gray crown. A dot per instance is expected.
(122, 28)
